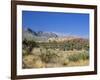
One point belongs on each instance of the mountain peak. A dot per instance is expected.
(37, 35)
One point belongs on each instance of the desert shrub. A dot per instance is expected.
(86, 47)
(31, 61)
(79, 56)
(77, 44)
(85, 55)
(49, 56)
(73, 57)
(25, 52)
(36, 51)
(52, 56)
(65, 62)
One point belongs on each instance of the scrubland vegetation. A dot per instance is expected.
(73, 52)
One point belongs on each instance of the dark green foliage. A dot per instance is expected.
(29, 45)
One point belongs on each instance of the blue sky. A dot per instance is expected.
(61, 23)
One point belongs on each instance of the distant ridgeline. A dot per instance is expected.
(51, 40)
(38, 36)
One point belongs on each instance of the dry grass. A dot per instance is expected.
(79, 63)
(44, 58)
(32, 61)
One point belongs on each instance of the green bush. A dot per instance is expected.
(29, 45)
(79, 56)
